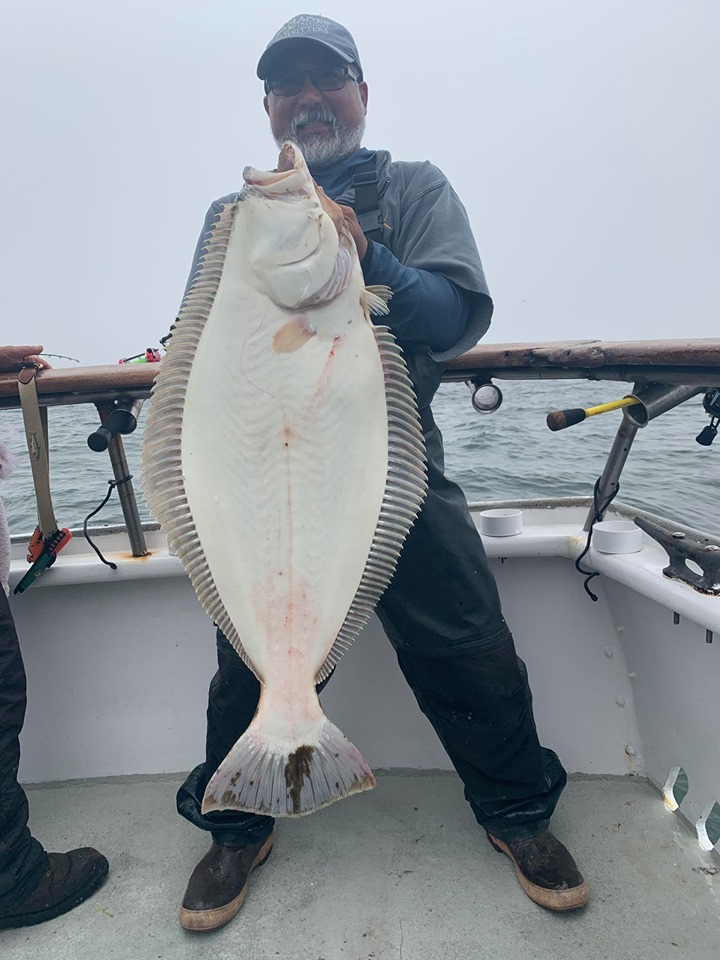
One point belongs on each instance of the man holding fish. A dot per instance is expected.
(455, 650)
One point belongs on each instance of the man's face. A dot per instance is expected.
(327, 125)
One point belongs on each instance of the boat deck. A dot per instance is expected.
(403, 872)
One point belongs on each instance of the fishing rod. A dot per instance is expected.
(59, 356)
(560, 419)
(149, 355)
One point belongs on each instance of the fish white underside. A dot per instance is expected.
(285, 462)
(271, 484)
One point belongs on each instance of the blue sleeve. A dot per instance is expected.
(426, 308)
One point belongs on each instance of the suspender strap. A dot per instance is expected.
(35, 422)
(367, 205)
(48, 539)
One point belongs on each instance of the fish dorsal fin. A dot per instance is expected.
(405, 490)
(162, 471)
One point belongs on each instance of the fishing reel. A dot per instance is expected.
(711, 403)
(150, 355)
(486, 397)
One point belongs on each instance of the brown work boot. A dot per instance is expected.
(546, 871)
(219, 884)
(69, 879)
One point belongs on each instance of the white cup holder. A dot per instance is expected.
(617, 536)
(501, 522)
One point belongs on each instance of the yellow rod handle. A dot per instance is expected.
(612, 405)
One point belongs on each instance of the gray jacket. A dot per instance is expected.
(425, 225)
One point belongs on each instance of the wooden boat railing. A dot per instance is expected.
(640, 361)
(632, 361)
(692, 363)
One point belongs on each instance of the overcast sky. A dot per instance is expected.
(581, 136)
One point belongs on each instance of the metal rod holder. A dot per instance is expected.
(659, 398)
(127, 497)
(653, 400)
(610, 479)
(128, 502)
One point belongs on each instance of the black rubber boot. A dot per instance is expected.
(546, 871)
(219, 884)
(69, 879)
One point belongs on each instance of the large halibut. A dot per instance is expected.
(284, 460)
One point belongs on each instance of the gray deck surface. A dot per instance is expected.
(403, 872)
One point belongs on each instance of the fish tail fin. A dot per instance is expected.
(283, 779)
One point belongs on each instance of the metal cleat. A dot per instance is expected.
(682, 544)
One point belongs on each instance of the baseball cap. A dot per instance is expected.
(309, 27)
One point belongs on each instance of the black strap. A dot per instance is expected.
(367, 204)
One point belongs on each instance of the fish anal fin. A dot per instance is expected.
(293, 334)
(375, 300)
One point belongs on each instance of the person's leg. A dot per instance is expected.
(241, 841)
(34, 885)
(478, 701)
(232, 701)
(442, 614)
(22, 858)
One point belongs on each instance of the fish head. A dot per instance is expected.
(292, 160)
(299, 247)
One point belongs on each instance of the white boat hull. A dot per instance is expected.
(119, 663)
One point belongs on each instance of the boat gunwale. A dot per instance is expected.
(639, 361)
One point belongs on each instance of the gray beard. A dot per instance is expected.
(322, 149)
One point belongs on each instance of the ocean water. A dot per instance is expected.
(505, 455)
